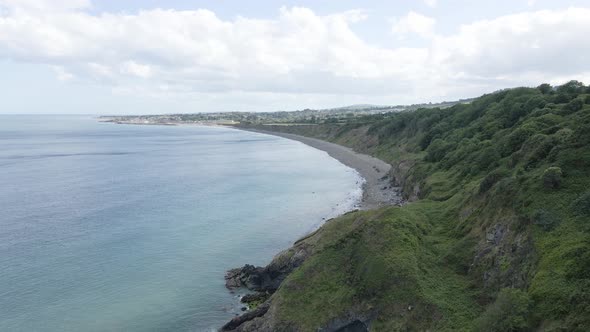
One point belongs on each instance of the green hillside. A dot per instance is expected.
(496, 236)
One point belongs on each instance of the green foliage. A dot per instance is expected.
(545, 219)
(436, 150)
(581, 205)
(552, 177)
(539, 146)
(575, 105)
(561, 98)
(516, 139)
(380, 259)
(544, 88)
(493, 165)
(509, 312)
(487, 158)
(491, 179)
(572, 88)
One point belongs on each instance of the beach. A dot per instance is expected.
(377, 190)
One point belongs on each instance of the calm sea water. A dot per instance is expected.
(109, 227)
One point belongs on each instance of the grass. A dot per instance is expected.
(386, 260)
(489, 245)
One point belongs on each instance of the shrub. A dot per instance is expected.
(516, 139)
(491, 179)
(571, 87)
(541, 145)
(544, 88)
(509, 312)
(587, 100)
(437, 150)
(545, 219)
(487, 158)
(575, 105)
(552, 177)
(563, 135)
(581, 206)
(561, 98)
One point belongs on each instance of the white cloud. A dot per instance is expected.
(62, 74)
(298, 53)
(414, 23)
(136, 69)
(432, 3)
(45, 5)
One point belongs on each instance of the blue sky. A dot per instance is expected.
(139, 57)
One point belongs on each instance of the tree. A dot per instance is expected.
(581, 205)
(552, 177)
(571, 87)
(545, 88)
(575, 105)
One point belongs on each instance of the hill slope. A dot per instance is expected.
(497, 237)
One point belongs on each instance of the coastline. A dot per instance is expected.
(260, 282)
(377, 187)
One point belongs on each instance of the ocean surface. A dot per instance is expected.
(107, 227)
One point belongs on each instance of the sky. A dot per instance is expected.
(187, 56)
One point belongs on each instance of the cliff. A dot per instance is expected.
(496, 237)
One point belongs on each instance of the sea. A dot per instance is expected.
(107, 227)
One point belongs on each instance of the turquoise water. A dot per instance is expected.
(108, 227)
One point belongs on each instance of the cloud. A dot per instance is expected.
(414, 23)
(546, 42)
(297, 53)
(136, 69)
(45, 5)
(432, 3)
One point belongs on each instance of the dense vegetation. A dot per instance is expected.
(498, 235)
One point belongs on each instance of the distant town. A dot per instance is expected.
(305, 116)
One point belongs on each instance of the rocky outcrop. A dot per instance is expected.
(265, 281)
(505, 257)
(236, 324)
(269, 278)
(402, 178)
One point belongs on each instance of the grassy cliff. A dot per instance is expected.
(496, 238)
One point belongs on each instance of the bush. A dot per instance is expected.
(544, 88)
(552, 177)
(563, 135)
(572, 87)
(509, 312)
(437, 150)
(487, 158)
(491, 179)
(561, 98)
(575, 105)
(542, 145)
(587, 100)
(516, 139)
(581, 206)
(545, 219)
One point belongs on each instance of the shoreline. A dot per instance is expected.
(261, 282)
(377, 187)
